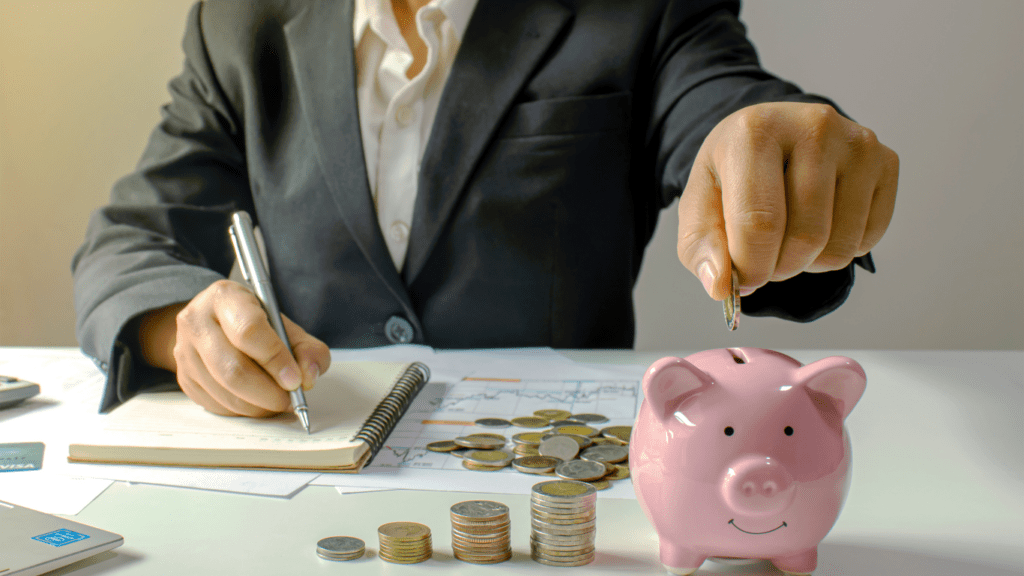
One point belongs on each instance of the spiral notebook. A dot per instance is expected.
(353, 408)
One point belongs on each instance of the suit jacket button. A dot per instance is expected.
(398, 330)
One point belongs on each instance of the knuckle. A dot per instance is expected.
(822, 121)
(759, 226)
(810, 238)
(231, 372)
(837, 255)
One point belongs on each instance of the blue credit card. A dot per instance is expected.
(23, 456)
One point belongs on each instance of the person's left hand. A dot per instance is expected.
(783, 188)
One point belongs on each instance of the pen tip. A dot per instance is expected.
(304, 418)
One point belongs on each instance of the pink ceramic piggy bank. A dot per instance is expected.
(742, 453)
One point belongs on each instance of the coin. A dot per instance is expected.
(493, 423)
(731, 305)
(530, 422)
(583, 470)
(608, 454)
(551, 414)
(491, 435)
(526, 451)
(561, 491)
(527, 438)
(480, 467)
(619, 433)
(480, 532)
(566, 422)
(620, 473)
(489, 457)
(589, 418)
(582, 441)
(577, 429)
(442, 446)
(403, 531)
(479, 510)
(340, 548)
(479, 443)
(559, 447)
(600, 484)
(460, 452)
(535, 464)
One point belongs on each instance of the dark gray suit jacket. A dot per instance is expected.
(565, 126)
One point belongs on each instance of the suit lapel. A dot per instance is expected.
(502, 45)
(323, 59)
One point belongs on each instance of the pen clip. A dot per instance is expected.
(243, 264)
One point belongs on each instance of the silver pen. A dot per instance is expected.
(250, 262)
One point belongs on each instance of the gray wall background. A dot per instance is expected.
(940, 81)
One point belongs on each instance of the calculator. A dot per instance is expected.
(15, 391)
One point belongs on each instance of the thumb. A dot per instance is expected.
(312, 355)
(702, 246)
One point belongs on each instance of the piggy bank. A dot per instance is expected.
(742, 453)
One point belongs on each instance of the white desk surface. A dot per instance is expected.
(938, 489)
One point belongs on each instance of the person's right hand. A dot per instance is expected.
(227, 356)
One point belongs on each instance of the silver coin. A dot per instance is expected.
(606, 454)
(340, 548)
(589, 418)
(583, 470)
(731, 305)
(493, 423)
(559, 447)
(582, 441)
(479, 509)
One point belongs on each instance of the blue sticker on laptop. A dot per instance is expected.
(21, 456)
(61, 537)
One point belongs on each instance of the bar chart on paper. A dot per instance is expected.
(446, 410)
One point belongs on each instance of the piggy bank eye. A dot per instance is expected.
(788, 430)
(729, 430)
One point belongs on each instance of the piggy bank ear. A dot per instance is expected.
(839, 379)
(668, 381)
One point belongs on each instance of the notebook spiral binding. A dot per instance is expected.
(384, 418)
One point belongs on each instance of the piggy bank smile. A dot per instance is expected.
(733, 522)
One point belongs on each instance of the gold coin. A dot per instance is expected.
(479, 467)
(491, 435)
(599, 484)
(442, 446)
(552, 414)
(480, 443)
(526, 451)
(530, 422)
(602, 441)
(562, 488)
(619, 433)
(619, 473)
(489, 457)
(535, 464)
(577, 429)
(528, 438)
(403, 531)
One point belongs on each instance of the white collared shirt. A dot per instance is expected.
(396, 114)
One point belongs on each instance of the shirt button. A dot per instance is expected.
(398, 330)
(398, 231)
(404, 115)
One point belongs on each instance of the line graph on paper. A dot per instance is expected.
(446, 410)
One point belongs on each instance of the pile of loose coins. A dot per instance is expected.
(480, 532)
(563, 521)
(405, 542)
(340, 548)
(572, 448)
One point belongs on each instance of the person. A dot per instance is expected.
(462, 173)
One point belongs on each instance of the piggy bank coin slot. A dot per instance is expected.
(729, 431)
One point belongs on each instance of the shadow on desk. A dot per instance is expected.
(102, 563)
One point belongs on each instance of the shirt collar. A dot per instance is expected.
(457, 12)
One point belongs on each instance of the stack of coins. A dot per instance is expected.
(340, 548)
(563, 518)
(486, 460)
(480, 532)
(405, 542)
(526, 443)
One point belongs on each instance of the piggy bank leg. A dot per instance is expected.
(798, 564)
(679, 561)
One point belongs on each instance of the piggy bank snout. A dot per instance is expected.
(757, 485)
